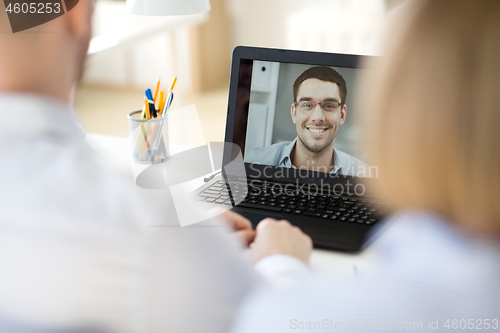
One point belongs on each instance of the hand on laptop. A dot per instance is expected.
(280, 237)
(242, 227)
(270, 237)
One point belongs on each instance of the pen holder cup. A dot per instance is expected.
(148, 138)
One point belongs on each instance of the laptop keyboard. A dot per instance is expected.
(264, 196)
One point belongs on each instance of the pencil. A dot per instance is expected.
(157, 88)
(174, 81)
(146, 106)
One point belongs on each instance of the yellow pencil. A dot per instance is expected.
(174, 81)
(162, 102)
(146, 106)
(157, 88)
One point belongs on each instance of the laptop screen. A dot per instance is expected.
(299, 116)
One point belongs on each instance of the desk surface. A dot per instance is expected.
(115, 152)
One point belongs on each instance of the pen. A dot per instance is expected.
(152, 109)
(168, 102)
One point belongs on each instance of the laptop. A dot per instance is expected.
(290, 119)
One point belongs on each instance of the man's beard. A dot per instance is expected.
(315, 149)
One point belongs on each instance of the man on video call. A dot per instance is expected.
(318, 111)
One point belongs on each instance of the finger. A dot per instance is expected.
(284, 222)
(245, 236)
(265, 223)
(236, 221)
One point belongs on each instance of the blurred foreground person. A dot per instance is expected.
(76, 250)
(432, 123)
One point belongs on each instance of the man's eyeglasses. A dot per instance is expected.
(327, 106)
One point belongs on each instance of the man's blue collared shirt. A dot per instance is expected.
(278, 154)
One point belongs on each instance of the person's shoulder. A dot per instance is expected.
(111, 200)
(420, 257)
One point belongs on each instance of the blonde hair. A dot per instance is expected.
(433, 112)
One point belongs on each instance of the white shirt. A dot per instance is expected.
(279, 154)
(430, 273)
(77, 249)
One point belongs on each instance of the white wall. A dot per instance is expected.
(342, 26)
(140, 64)
(133, 50)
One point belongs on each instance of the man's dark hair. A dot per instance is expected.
(324, 74)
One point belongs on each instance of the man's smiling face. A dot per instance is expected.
(317, 129)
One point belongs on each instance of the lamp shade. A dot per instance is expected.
(167, 7)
